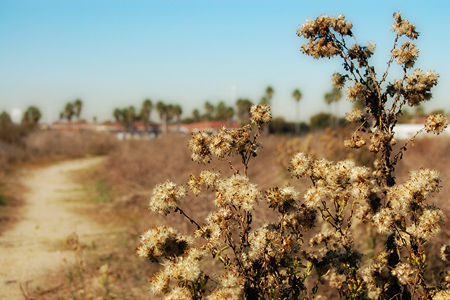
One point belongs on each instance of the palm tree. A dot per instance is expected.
(297, 95)
(69, 111)
(117, 113)
(129, 114)
(177, 111)
(147, 107)
(243, 106)
(268, 96)
(31, 116)
(224, 112)
(333, 96)
(5, 119)
(196, 115)
(209, 110)
(162, 111)
(78, 105)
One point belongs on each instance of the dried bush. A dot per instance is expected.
(69, 145)
(275, 260)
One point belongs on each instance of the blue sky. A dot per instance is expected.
(117, 53)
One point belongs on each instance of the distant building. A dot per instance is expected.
(139, 128)
(407, 131)
(209, 126)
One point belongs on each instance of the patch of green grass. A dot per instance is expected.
(3, 199)
(102, 192)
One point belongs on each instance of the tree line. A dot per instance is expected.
(171, 113)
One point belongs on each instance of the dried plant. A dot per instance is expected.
(275, 261)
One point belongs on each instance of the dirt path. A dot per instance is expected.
(35, 245)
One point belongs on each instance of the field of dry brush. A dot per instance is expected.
(120, 189)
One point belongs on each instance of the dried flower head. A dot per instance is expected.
(260, 114)
(405, 273)
(199, 146)
(445, 252)
(381, 139)
(280, 197)
(358, 91)
(301, 165)
(338, 80)
(221, 144)
(238, 191)
(442, 295)
(162, 241)
(207, 179)
(422, 183)
(403, 27)
(384, 220)
(436, 123)
(321, 42)
(230, 286)
(355, 142)
(429, 223)
(355, 116)
(406, 55)
(418, 86)
(165, 197)
(178, 293)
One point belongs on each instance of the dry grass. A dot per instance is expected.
(135, 167)
(19, 148)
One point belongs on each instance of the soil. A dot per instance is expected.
(38, 243)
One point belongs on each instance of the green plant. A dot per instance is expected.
(274, 261)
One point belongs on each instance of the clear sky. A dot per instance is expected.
(115, 53)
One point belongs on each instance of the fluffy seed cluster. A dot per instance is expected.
(281, 197)
(227, 142)
(418, 86)
(429, 223)
(260, 114)
(338, 80)
(407, 206)
(166, 197)
(405, 273)
(178, 293)
(361, 53)
(436, 123)
(321, 42)
(374, 273)
(357, 91)
(206, 180)
(217, 223)
(403, 27)
(199, 146)
(355, 116)
(406, 55)
(162, 241)
(237, 191)
(355, 142)
(323, 24)
(301, 165)
(185, 269)
(442, 295)
(445, 252)
(339, 181)
(231, 287)
(379, 140)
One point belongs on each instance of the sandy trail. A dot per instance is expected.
(35, 245)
